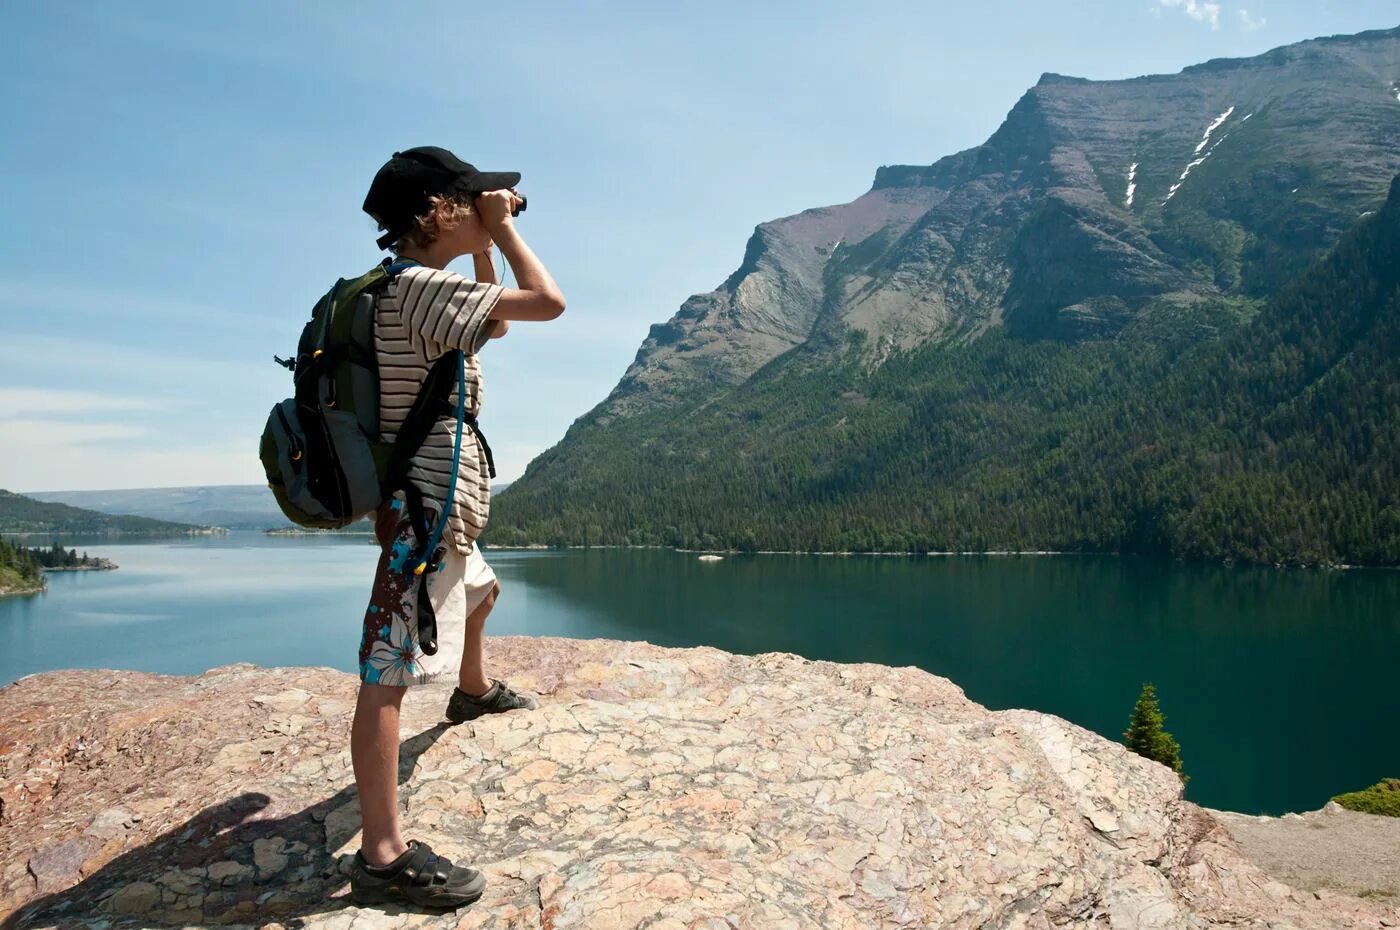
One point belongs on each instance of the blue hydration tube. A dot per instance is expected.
(456, 457)
(436, 535)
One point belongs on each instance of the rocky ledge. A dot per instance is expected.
(662, 788)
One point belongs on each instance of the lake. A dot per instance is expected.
(1277, 682)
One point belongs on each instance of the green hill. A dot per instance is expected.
(20, 514)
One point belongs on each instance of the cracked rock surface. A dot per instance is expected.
(672, 789)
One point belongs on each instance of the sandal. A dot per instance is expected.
(499, 699)
(419, 876)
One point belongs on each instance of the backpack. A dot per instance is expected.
(321, 448)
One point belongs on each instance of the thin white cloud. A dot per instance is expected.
(128, 417)
(27, 402)
(48, 455)
(29, 434)
(1203, 11)
(1251, 23)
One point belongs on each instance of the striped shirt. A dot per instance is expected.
(422, 314)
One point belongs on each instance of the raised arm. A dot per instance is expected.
(485, 266)
(537, 297)
(486, 274)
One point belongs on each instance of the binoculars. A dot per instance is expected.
(517, 209)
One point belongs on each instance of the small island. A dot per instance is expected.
(22, 568)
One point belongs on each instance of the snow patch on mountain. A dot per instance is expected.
(1215, 124)
(1205, 140)
(1191, 166)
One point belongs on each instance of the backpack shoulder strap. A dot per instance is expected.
(432, 403)
(347, 293)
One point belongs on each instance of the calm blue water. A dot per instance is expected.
(1277, 683)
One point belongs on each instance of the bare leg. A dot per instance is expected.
(374, 752)
(472, 676)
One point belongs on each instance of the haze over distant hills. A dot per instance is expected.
(232, 506)
(896, 372)
(235, 506)
(22, 514)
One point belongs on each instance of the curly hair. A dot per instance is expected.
(443, 213)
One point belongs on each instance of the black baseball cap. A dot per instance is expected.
(400, 191)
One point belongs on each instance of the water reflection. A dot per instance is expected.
(1274, 681)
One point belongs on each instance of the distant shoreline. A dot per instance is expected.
(541, 547)
(1224, 563)
(103, 565)
(291, 531)
(120, 534)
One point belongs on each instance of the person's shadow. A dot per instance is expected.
(222, 833)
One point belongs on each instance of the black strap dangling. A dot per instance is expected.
(427, 616)
(418, 519)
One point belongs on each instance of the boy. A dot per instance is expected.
(433, 207)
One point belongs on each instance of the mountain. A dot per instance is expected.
(1239, 170)
(22, 514)
(897, 372)
(235, 506)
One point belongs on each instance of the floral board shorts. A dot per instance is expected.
(389, 649)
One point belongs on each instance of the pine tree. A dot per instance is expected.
(1145, 734)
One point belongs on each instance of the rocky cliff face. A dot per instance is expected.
(1093, 200)
(766, 307)
(658, 788)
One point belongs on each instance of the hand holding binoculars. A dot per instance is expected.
(516, 209)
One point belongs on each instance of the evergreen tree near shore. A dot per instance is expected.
(21, 567)
(58, 557)
(18, 568)
(1146, 735)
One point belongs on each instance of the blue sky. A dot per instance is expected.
(181, 181)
